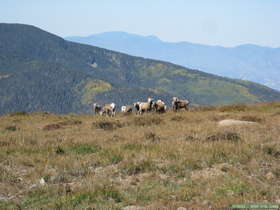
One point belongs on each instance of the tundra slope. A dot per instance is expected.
(156, 161)
(47, 73)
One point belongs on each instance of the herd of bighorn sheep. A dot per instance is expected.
(141, 107)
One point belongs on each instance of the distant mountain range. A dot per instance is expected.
(247, 62)
(40, 71)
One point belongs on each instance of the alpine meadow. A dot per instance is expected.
(187, 159)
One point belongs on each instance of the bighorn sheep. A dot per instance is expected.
(109, 110)
(113, 108)
(96, 108)
(126, 109)
(179, 104)
(144, 106)
(136, 106)
(159, 106)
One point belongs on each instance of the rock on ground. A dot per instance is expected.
(133, 208)
(235, 122)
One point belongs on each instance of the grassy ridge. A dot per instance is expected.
(155, 161)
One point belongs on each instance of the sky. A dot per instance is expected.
(211, 22)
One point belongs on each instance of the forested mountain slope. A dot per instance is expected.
(42, 72)
(249, 62)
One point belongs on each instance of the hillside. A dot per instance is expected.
(248, 62)
(154, 161)
(42, 72)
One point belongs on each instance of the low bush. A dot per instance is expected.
(51, 127)
(132, 168)
(11, 128)
(177, 118)
(70, 122)
(147, 120)
(272, 150)
(59, 150)
(224, 136)
(251, 118)
(233, 108)
(84, 149)
(108, 125)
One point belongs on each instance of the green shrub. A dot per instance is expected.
(133, 147)
(108, 125)
(84, 149)
(133, 168)
(224, 136)
(11, 128)
(59, 150)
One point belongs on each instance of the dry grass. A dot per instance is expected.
(155, 161)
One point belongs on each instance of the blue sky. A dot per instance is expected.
(214, 22)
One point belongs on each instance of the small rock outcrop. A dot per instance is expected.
(133, 208)
(181, 208)
(230, 122)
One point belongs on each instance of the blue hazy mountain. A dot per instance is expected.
(248, 62)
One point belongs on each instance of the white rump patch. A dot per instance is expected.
(94, 65)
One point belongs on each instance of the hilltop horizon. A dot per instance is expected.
(158, 38)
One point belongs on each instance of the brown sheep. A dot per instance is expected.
(159, 106)
(126, 109)
(136, 106)
(96, 108)
(109, 110)
(178, 104)
(144, 106)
